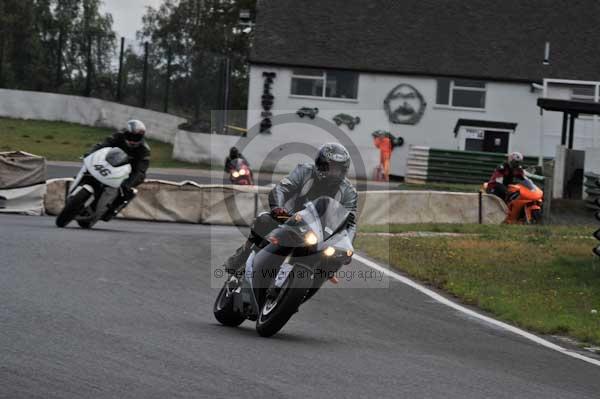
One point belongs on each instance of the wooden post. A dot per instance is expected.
(89, 69)
(145, 77)
(480, 207)
(120, 77)
(168, 80)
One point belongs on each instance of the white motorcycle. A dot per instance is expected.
(95, 188)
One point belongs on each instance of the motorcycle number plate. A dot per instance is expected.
(283, 274)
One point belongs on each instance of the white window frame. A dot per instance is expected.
(322, 78)
(453, 86)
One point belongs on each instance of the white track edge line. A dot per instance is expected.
(453, 305)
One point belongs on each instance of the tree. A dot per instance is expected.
(199, 35)
(45, 42)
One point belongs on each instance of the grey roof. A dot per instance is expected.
(488, 39)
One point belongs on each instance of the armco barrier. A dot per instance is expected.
(237, 205)
(450, 166)
(85, 111)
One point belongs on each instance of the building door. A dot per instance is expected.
(494, 141)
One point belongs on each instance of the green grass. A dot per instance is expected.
(544, 279)
(490, 231)
(60, 141)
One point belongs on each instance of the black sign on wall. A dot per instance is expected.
(405, 105)
(267, 103)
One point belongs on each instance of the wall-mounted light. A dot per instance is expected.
(546, 54)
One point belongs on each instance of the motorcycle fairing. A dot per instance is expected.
(97, 165)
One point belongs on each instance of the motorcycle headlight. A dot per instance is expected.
(235, 174)
(349, 253)
(242, 172)
(311, 238)
(330, 251)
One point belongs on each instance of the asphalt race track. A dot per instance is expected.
(125, 311)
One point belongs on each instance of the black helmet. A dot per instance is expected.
(234, 153)
(333, 162)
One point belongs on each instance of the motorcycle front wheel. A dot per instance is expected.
(281, 303)
(73, 206)
(223, 307)
(536, 216)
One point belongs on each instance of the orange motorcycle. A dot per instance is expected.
(524, 201)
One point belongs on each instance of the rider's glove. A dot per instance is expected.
(280, 213)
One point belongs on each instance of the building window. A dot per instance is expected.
(583, 93)
(461, 93)
(325, 84)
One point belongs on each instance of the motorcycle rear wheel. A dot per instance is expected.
(73, 206)
(278, 310)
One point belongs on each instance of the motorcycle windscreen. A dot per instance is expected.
(117, 157)
(328, 214)
(528, 184)
(239, 163)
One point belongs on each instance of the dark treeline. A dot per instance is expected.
(49, 45)
(69, 46)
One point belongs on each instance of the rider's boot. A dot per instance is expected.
(119, 204)
(238, 259)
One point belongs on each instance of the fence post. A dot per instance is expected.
(480, 207)
(120, 78)
(256, 202)
(226, 88)
(2, 58)
(547, 204)
(59, 60)
(89, 68)
(145, 78)
(168, 80)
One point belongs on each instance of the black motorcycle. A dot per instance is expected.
(287, 268)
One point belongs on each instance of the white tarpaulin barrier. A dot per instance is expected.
(26, 201)
(184, 202)
(188, 202)
(412, 207)
(22, 183)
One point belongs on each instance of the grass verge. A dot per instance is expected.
(60, 141)
(544, 279)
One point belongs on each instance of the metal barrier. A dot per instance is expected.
(450, 166)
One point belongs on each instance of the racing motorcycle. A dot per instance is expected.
(240, 173)
(525, 201)
(95, 187)
(287, 268)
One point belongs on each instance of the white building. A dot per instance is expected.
(450, 75)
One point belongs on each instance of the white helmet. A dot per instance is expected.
(515, 159)
(134, 135)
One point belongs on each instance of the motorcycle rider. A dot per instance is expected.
(131, 141)
(505, 174)
(326, 177)
(234, 154)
